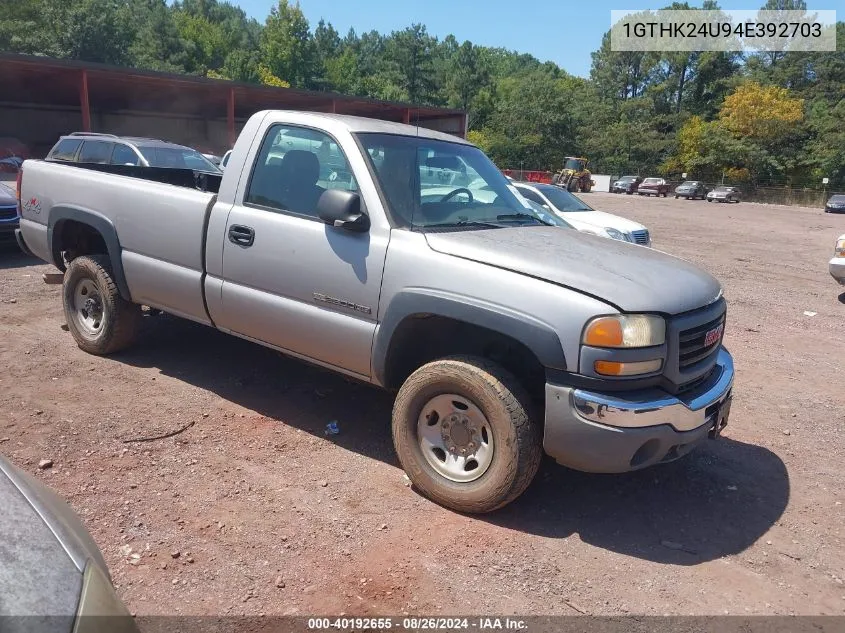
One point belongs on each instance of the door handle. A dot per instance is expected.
(241, 235)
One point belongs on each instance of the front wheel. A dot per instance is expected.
(463, 434)
(100, 320)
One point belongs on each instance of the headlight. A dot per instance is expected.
(625, 330)
(840, 248)
(618, 235)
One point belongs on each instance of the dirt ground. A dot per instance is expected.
(253, 509)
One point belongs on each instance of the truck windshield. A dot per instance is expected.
(431, 183)
(575, 164)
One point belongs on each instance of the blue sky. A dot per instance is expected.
(563, 31)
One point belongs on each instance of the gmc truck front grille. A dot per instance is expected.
(694, 345)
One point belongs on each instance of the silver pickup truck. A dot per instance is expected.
(404, 258)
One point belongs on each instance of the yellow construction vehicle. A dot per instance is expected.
(574, 176)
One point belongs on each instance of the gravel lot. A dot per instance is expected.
(253, 509)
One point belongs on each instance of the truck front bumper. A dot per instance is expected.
(620, 432)
(837, 269)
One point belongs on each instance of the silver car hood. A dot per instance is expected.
(632, 278)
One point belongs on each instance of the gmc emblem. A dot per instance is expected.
(713, 335)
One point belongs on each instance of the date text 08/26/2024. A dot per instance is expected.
(417, 624)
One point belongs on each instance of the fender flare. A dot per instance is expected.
(539, 337)
(100, 223)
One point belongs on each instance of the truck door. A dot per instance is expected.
(289, 279)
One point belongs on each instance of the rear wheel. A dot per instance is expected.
(463, 434)
(100, 320)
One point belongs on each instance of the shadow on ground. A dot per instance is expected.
(11, 256)
(715, 502)
(842, 298)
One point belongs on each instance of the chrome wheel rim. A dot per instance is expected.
(88, 309)
(455, 438)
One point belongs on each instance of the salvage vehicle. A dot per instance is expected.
(653, 187)
(691, 189)
(626, 184)
(582, 216)
(836, 204)
(837, 264)
(54, 577)
(109, 149)
(502, 336)
(723, 193)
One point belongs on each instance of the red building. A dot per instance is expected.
(44, 98)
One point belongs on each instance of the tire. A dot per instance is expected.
(709, 200)
(676, 197)
(505, 405)
(88, 292)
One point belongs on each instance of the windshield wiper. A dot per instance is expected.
(522, 216)
(464, 223)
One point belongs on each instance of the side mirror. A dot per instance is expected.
(342, 209)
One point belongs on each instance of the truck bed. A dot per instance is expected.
(202, 181)
(161, 226)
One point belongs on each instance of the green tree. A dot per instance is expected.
(410, 52)
(286, 45)
(157, 43)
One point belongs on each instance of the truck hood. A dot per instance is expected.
(630, 277)
(599, 219)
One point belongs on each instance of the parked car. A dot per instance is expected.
(837, 264)
(54, 577)
(108, 149)
(653, 187)
(12, 154)
(626, 184)
(836, 204)
(504, 337)
(8, 210)
(582, 216)
(691, 189)
(723, 193)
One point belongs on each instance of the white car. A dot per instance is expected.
(582, 216)
(837, 264)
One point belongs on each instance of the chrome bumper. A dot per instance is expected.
(651, 407)
(619, 432)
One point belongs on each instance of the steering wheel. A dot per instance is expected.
(452, 194)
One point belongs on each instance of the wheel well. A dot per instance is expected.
(72, 239)
(420, 339)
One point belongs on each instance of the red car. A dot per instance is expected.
(653, 187)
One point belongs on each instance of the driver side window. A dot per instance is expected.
(293, 169)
